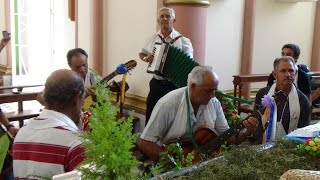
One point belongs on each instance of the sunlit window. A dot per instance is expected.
(41, 36)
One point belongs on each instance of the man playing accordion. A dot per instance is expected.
(158, 85)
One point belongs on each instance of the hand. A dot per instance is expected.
(13, 131)
(148, 58)
(5, 41)
(251, 124)
(89, 91)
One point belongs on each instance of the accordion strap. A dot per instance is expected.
(172, 41)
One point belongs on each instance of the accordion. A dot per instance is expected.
(171, 63)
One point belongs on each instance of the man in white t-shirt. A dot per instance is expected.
(169, 119)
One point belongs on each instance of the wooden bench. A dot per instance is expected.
(19, 97)
(238, 82)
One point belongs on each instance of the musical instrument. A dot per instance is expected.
(121, 69)
(171, 63)
(210, 144)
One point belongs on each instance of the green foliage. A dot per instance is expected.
(172, 159)
(248, 162)
(229, 109)
(108, 145)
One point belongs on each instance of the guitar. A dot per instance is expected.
(121, 69)
(209, 143)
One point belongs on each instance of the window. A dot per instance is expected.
(41, 36)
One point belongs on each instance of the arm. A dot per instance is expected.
(4, 42)
(4, 120)
(151, 149)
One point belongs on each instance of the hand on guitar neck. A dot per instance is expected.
(121, 69)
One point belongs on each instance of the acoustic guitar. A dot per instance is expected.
(121, 69)
(210, 144)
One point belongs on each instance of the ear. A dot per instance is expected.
(76, 99)
(274, 74)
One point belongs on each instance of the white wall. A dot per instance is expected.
(3, 54)
(277, 24)
(126, 28)
(84, 24)
(224, 39)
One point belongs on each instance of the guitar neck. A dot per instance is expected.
(109, 77)
(216, 143)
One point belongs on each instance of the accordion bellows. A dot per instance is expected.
(177, 67)
(171, 63)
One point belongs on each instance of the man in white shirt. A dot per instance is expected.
(169, 119)
(158, 85)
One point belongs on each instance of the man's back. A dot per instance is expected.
(42, 151)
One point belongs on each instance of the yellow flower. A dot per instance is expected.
(317, 140)
(311, 143)
(314, 148)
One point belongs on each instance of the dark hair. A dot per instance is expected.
(75, 52)
(294, 47)
(61, 92)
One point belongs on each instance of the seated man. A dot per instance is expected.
(292, 114)
(302, 80)
(48, 144)
(169, 119)
(78, 62)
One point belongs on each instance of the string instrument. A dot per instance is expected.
(121, 69)
(210, 144)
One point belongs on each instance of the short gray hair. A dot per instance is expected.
(284, 59)
(60, 91)
(171, 11)
(197, 73)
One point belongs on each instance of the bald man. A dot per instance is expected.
(169, 118)
(48, 145)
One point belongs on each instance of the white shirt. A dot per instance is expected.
(182, 43)
(168, 120)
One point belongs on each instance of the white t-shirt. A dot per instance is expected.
(169, 118)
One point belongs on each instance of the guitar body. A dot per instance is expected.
(87, 102)
(202, 136)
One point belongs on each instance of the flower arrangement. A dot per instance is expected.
(229, 109)
(310, 146)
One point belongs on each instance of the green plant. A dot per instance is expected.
(172, 159)
(108, 145)
(229, 109)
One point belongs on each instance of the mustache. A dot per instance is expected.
(289, 78)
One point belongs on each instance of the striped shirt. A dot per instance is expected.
(45, 152)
